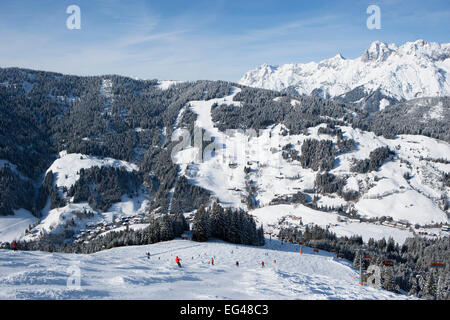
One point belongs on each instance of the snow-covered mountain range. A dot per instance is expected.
(391, 73)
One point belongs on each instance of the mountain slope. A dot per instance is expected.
(390, 73)
(257, 167)
(126, 273)
(109, 155)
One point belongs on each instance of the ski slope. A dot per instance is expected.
(13, 227)
(126, 273)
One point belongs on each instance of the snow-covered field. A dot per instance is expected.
(270, 216)
(126, 273)
(13, 227)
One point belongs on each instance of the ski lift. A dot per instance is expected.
(316, 250)
(367, 257)
(333, 251)
(437, 265)
(388, 263)
(340, 255)
(300, 243)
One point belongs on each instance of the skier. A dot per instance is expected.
(262, 264)
(212, 261)
(14, 245)
(237, 263)
(177, 260)
(148, 255)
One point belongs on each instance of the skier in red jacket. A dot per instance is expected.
(14, 245)
(177, 260)
(262, 264)
(212, 261)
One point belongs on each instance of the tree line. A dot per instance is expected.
(231, 225)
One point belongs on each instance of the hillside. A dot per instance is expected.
(126, 273)
(82, 156)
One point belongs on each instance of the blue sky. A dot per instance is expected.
(200, 39)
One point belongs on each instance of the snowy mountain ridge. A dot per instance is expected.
(413, 70)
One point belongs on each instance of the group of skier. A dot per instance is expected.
(178, 259)
(12, 246)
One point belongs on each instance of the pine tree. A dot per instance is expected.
(233, 234)
(201, 226)
(166, 232)
(390, 245)
(218, 225)
(430, 286)
(356, 260)
(389, 282)
(442, 289)
(261, 239)
(414, 286)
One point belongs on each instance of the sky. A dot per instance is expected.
(203, 39)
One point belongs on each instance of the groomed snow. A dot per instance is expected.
(13, 227)
(126, 273)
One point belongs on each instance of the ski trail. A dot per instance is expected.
(126, 273)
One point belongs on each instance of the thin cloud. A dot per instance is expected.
(282, 29)
(145, 39)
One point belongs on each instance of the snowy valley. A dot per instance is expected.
(97, 164)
